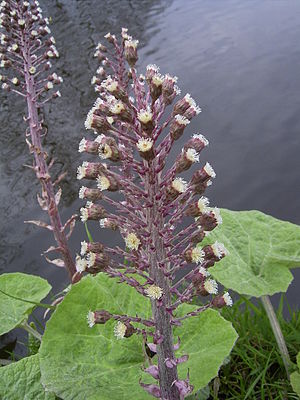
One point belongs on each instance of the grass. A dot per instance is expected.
(255, 370)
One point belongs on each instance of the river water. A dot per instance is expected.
(239, 58)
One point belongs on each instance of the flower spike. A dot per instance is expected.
(135, 143)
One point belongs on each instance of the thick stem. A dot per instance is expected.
(277, 332)
(42, 170)
(161, 317)
(32, 331)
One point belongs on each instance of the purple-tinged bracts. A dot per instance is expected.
(26, 48)
(134, 142)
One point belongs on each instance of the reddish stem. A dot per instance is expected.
(41, 167)
(162, 319)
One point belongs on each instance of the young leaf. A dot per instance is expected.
(21, 381)
(261, 251)
(81, 362)
(13, 287)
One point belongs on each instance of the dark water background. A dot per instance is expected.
(239, 58)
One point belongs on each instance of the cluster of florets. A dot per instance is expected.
(26, 45)
(127, 122)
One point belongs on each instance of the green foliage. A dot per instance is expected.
(13, 288)
(21, 381)
(262, 249)
(207, 339)
(80, 362)
(33, 344)
(295, 378)
(255, 370)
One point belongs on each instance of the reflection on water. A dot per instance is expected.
(240, 60)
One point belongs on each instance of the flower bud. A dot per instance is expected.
(115, 107)
(156, 86)
(47, 65)
(108, 148)
(99, 55)
(107, 183)
(202, 178)
(215, 252)
(101, 72)
(199, 277)
(98, 317)
(80, 264)
(110, 38)
(56, 94)
(132, 241)
(194, 255)
(182, 105)
(5, 86)
(177, 187)
(97, 262)
(4, 39)
(88, 146)
(95, 247)
(111, 85)
(152, 70)
(108, 223)
(154, 292)
(198, 208)
(48, 86)
(131, 51)
(97, 122)
(222, 301)
(92, 212)
(209, 286)
(197, 142)
(21, 23)
(192, 111)
(145, 147)
(89, 170)
(90, 194)
(15, 48)
(186, 159)
(5, 64)
(210, 219)
(15, 81)
(145, 117)
(177, 126)
(95, 81)
(169, 89)
(124, 34)
(101, 47)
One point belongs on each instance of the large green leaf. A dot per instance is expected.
(262, 249)
(22, 381)
(78, 362)
(17, 286)
(295, 378)
(207, 339)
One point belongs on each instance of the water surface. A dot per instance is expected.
(239, 59)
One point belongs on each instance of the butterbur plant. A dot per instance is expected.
(155, 297)
(161, 217)
(26, 51)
